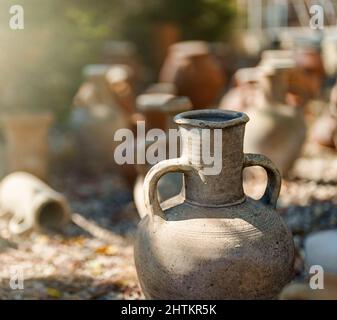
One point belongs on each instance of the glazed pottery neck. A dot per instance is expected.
(214, 187)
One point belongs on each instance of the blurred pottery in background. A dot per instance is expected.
(32, 204)
(166, 106)
(246, 91)
(276, 129)
(125, 53)
(324, 131)
(162, 87)
(310, 65)
(195, 73)
(119, 79)
(159, 109)
(27, 145)
(198, 245)
(96, 116)
(164, 35)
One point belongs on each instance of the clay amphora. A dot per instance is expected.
(32, 204)
(166, 106)
(277, 130)
(212, 241)
(194, 71)
(96, 116)
(27, 143)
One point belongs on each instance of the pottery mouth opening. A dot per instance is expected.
(211, 118)
(51, 216)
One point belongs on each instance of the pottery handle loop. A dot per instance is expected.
(151, 180)
(274, 178)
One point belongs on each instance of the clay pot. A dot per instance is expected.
(194, 71)
(246, 90)
(198, 245)
(276, 129)
(119, 78)
(123, 52)
(166, 106)
(324, 132)
(32, 204)
(278, 132)
(97, 115)
(162, 87)
(159, 109)
(27, 143)
(311, 68)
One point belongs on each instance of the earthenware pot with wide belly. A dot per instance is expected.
(194, 71)
(212, 241)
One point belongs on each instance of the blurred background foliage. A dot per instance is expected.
(41, 65)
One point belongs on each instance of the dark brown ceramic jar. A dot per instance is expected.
(195, 72)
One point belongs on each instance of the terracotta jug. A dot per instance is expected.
(27, 143)
(212, 241)
(194, 71)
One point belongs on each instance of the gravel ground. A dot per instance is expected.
(93, 259)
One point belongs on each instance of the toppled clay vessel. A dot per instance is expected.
(212, 241)
(32, 204)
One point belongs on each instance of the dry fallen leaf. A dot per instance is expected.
(54, 293)
(107, 250)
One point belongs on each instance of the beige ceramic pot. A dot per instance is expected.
(195, 73)
(97, 115)
(32, 204)
(277, 129)
(27, 143)
(213, 242)
(246, 90)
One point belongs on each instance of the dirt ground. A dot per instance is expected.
(93, 259)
